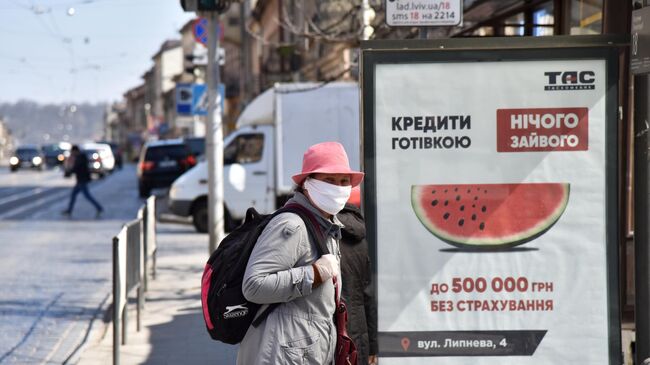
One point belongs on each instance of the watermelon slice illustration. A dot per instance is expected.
(489, 216)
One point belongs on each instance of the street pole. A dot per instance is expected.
(641, 226)
(214, 142)
(245, 68)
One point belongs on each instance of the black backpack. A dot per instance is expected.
(226, 312)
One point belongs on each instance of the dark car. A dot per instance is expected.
(117, 152)
(196, 145)
(26, 156)
(161, 162)
(56, 153)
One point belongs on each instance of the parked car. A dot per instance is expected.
(196, 145)
(56, 153)
(260, 156)
(29, 156)
(100, 158)
(161, 162)
(117, 152)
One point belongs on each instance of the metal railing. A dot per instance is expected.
(133, 248)
(149, 219)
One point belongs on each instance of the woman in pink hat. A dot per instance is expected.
(285, 267)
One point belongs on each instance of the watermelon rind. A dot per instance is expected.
(488, 243)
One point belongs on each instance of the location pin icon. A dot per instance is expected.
(406, 343)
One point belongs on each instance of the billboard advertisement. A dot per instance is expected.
(490, 181)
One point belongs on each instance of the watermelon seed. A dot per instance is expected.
(434, 203)
(456, 189)
(476, 198)
(457, 197)
(461, 222)
(446, 216)
(484, 191)
(462, 207)
(483, 209)
(433, 191)
(481, 226)
(473, 205)
(446, 202)
(445, 190)
(473, 217)
(469, 191)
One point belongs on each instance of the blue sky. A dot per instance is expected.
(94, 55)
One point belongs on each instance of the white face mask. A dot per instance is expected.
(327, 197)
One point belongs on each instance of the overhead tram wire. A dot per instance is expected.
(67, 42)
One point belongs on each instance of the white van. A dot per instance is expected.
(266, 149)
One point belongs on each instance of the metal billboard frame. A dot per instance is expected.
(601, 47)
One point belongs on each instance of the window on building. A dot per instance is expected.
(586, 16)
(543, 20)
(484, 32)
(514, 26)
(536, 19)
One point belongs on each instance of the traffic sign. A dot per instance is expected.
(192, 99)
(200, 31)
(184, 98)
(200, 98)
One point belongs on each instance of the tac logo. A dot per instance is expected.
(570, 80)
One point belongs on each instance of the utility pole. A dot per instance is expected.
(214, 142)
(210, 9)
(245, 68)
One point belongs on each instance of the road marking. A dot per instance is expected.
(42, 201)
(34, 204)
(9, 190)
(12, 198)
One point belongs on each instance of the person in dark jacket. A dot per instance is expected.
(357, 288)
(80, 169)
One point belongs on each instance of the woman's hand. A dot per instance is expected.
(327, 266)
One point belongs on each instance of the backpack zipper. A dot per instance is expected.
(221, 289)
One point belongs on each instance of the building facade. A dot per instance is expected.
(6, 142)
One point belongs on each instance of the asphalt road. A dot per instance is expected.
(55, 271)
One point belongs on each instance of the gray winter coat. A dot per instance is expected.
(301, 329)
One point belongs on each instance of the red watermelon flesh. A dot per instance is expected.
(489, 216)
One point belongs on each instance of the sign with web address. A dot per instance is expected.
(424, 13)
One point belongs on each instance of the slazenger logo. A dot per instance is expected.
(570, 80)
(235, 311)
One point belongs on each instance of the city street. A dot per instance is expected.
(56, 270)
(498, 152)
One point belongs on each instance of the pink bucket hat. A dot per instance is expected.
(326, 158)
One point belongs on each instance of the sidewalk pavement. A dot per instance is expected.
(173, 331)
